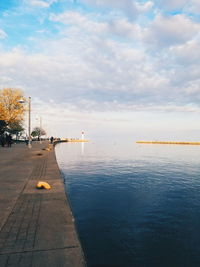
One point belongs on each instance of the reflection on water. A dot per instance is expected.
(82, 148)
(135, 205)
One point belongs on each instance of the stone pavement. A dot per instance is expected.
(36, 225)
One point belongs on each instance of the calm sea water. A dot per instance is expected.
(134, 205)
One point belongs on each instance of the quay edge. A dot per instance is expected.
(37, 227)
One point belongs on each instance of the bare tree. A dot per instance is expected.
(38, 132)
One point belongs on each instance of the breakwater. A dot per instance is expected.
(168, 143)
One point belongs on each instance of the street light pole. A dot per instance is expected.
(22, 101)
(29, 122)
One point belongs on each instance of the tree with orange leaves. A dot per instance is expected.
(11, 110)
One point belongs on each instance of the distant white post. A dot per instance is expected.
(82, 135)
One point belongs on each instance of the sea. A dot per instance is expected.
(134, 204)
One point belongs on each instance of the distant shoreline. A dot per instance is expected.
(168, 143)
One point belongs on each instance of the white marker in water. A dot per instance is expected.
(82, 135)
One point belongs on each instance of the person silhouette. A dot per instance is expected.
(2, 140)
(9, 140)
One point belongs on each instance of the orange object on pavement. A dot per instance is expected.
(43, 185)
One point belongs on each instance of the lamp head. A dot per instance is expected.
(21, 101)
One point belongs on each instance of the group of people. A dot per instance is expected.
(6, 139)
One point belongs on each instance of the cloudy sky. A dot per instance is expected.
(109, 67)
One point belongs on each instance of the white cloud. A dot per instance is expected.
(171, 4)
(124, 28)
(116, 71)
(82, 21)
(193, 6)
(121, 27)
(167, 31)
(3, 34)
(103, 65)
(193, 88)
(131, 9)
(41, 3)
(94, 72)
(128, 7)
(187, 53)
(134, 119)
(145, 7)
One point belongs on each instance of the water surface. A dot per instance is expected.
(134, 205)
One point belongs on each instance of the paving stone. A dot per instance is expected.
(13, 260)
(3, 260)
(26, 259)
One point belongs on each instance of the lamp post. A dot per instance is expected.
(29, 119)
(29, 122)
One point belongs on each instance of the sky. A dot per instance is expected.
(119, 68)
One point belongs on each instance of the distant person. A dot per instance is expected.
(26, 140)
(2, 140)
(51, 139)
(9, 142)
(7, 139)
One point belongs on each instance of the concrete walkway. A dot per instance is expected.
(36, 226)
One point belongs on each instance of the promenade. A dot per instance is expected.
(36, 225)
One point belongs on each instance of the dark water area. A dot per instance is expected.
(134, 205)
